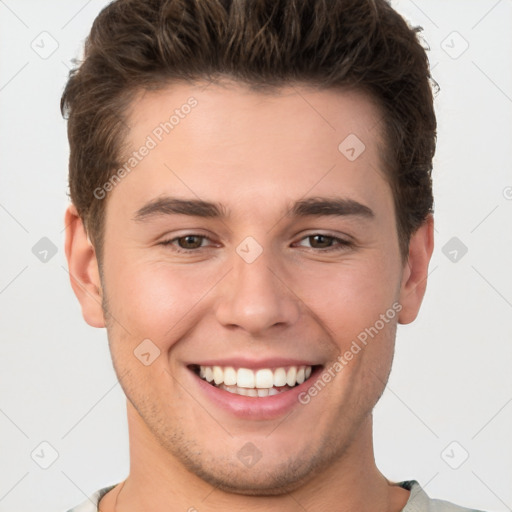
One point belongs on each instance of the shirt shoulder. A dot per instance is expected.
(419, 501)
(91, 503)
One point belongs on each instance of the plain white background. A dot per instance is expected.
(450, 392)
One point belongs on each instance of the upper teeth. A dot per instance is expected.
(262, 378)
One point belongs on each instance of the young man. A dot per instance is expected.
(251, 218)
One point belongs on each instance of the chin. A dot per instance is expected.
(261, 482)
(268, 477)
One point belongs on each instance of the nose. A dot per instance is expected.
(255, 297)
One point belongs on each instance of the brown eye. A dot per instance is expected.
(320, 241)
(190, 241)
(324, 243)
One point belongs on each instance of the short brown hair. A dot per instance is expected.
(142, 44)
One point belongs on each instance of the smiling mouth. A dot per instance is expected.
(254, 383)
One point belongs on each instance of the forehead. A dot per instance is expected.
(213, 140)
(221, 110)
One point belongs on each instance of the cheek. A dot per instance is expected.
(356, 304)
(350, 296)
(155, 301)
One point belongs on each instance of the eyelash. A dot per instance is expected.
(338, 243)
(179, 249)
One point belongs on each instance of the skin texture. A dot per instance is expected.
(256, 154)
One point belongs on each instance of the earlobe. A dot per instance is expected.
(415, 271)
(83, 269)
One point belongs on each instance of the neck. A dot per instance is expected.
(159, 482)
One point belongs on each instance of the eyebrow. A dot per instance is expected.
(313, 206)
(170, 205)
(319, 206)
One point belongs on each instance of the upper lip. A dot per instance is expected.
(241, 362)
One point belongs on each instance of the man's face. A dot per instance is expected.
(295, 255)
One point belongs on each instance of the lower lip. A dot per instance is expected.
(255, 408)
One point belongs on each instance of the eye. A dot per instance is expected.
(187, 242)
(325, 242)
(191, 241)
(320, 241)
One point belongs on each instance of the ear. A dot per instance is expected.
(83, 269)
(415, 271)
